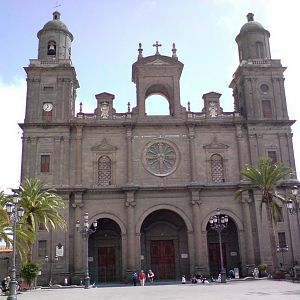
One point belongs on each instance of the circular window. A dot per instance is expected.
(264, 88)
(160, 158)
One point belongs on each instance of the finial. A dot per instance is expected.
(156, 45)
(250, 17)
(189, 106)
(128, 107)
(174, 51)
(80, 107)
(140, 51)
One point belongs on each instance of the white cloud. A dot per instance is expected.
(13, 110)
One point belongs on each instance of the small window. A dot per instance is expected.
(45, 163)
(267, 109)
(48, 88)
(264, 88)
(273, 156)
(42, 248)
(217, 168)
(281, 239)
(51, 50)
(104, 171)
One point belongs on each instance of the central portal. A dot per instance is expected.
(162, 257)
(164, 245)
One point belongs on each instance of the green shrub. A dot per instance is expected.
(262, 267)
(29, 272)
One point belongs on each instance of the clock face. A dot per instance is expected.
(47, 106)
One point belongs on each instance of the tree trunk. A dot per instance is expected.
(272, 238)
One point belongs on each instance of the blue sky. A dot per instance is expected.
(106, 38)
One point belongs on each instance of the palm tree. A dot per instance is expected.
(23, 235)
(266, 177)
(42, 207)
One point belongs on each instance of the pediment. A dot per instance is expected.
(158, 62)
(215, 145)
(104, 146)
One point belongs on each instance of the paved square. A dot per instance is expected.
(256, 289)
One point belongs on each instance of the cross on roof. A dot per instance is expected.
(157, 45)
(57, 4)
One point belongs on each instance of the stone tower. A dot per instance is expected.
(51, 79)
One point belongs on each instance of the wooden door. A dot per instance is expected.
(163, 259)
(215, 259)
(106, 264)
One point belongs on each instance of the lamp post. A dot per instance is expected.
(282, 249)
(293, 204)
(51, 261)
(86, 232)
(219, 223)
(15, 214)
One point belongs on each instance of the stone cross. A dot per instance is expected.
(157, 45)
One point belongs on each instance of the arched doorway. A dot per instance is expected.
(105, 252)
(164, 245)
(230, 248)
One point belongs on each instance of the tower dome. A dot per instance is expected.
(55, 39)
(253, 40)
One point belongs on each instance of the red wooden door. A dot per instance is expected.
(163, 259)
(106, 264)
(215, 259)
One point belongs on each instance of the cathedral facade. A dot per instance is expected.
(153, 182)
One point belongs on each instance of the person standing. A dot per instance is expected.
(142, 278)
(151, 276)
(134, 277)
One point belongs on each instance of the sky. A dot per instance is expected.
(106, 37)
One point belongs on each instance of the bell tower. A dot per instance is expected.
(157, 75)
(51, 78)
(258, 83)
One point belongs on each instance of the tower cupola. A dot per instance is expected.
(253, 40)
(55, 40)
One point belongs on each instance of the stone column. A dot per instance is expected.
(129, 155)
(57, 161)
(193, 165)
(250, 258)
(197, 226)
(78, 169)
(78, 246)
(130, 204)
(34, 159)
(253, 149)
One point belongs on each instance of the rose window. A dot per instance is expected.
(160, 158)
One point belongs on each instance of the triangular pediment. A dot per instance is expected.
(215, 145)
(104, 146)
(158, 62)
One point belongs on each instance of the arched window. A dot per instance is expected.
(104, 171)
(51, 49)
(217, 168)
(259, 50)
(157, 105)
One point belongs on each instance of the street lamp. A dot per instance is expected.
(282, 249)
(293, 204)
(218, 223)
(15, 215)
(51, 261)
(86, 232)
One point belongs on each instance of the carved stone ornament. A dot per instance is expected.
(160, 158)
(213, 109)
(104, 110)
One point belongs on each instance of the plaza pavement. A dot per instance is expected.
(241, 290)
